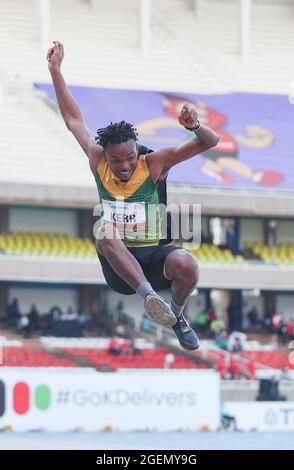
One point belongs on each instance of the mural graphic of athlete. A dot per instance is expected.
(224, 157)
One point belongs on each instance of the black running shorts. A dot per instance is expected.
(151, 260)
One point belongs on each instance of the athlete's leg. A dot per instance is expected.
(110, 245)
(125, 265)
(181, 268)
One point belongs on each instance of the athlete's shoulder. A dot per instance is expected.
(101, 166)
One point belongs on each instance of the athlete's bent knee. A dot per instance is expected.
(185, 267)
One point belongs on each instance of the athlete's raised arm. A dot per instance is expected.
(166, 158)
(69, 108)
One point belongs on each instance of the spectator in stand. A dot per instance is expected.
(211, 316)
(32, 323)
(252, 316)
(146, 324)
(284, 332)
(277, 321)
(13, 312)
(120, 316)
(136, 351)
(118, 312)
(83, 320)
(69, 315)
(22, 324)
(55, 313)
(121, 331)
(290, 329)
(201, 322)
(233, 315)
(114, 347)
(216, 326)
(236, 334)
(47, 320)
(126, 348)
(268, 323)
(34, 317)
(221, 340)
(237, 346)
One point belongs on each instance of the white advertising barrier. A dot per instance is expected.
(262, 416)
(135, 400)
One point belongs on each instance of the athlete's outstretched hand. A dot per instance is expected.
(55, 55)
(188, 116)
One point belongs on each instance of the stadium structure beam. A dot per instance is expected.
(145, 26)
(245, 30)
(44, 22)
(59, 270)
(214, 200)
(4, 219)
(3, 303)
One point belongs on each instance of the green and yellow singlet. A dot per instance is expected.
(132, 206)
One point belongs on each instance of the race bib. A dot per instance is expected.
(125, 215)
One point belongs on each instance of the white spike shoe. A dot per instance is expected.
(159, 310)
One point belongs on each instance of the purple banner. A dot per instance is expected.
(256, 130)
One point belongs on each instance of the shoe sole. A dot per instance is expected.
(189, 347)
(155, 309)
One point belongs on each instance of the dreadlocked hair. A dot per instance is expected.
(116, 133)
